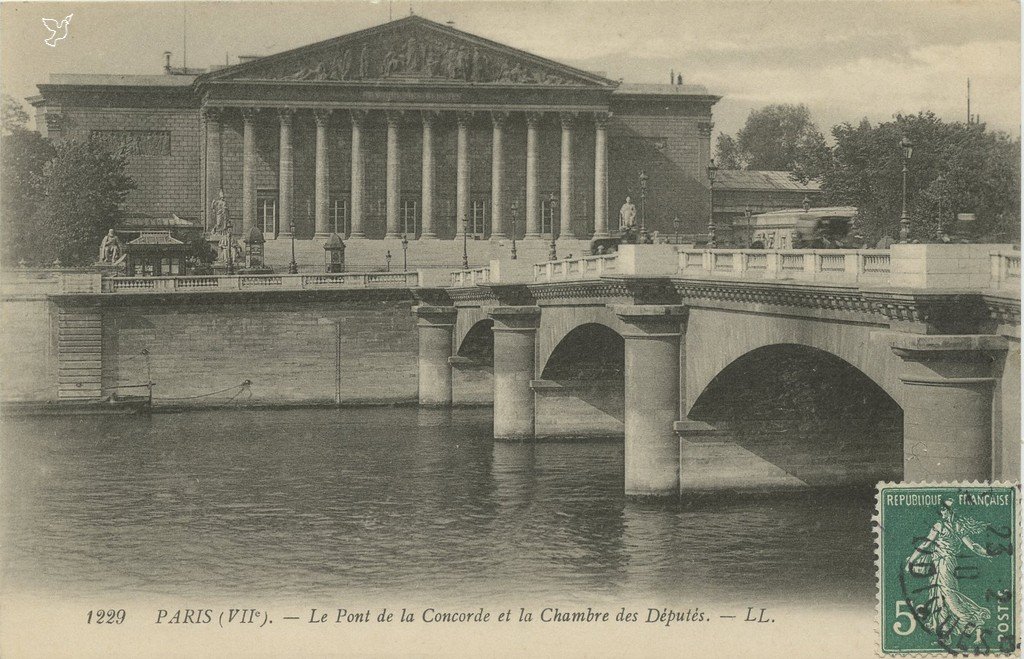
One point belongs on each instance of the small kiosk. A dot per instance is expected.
(334, 254)
(156, 254)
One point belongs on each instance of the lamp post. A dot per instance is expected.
(405, 253)
(465, 243)
(228, 226)
(908, 150)
(515, 210)
(552, 248)
(676, 223)
(387, 261)
(643, 206)
(293, 267)
(712, 170)
(749, 236)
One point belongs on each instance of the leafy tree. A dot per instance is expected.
(727, 153)
(23, 157)
(776, 138)
(980, 173)
(84, 187)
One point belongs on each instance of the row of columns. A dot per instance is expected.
(563, 228)
(947, 406)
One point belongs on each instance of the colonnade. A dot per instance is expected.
(570, 122)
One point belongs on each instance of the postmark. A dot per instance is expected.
(948, 568)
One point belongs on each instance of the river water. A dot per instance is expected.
(376, 501)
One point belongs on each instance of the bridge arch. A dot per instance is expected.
(715, 339)
(478, 343)
(580, 392)
(792, 414)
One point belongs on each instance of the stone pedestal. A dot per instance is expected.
(652, 397)
(435, 325)
(515, 340)
(947, 408)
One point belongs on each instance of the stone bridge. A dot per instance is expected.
(702, 360)
(628, 344)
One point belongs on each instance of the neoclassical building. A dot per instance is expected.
(411, 128)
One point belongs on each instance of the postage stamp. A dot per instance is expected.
(948, 569)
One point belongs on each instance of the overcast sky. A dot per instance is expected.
(845, 60)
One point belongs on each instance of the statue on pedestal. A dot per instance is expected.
(219, 210)
(627, 215)
(110, 248)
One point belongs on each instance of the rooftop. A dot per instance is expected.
(650, 89)
(115, 80)
(740, 179)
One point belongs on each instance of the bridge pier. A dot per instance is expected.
(435, 326)
(652, 363)
(947, 413)
(515, 343)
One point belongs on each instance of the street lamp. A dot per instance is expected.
(643, 206)
(515, 210)
(552, 248)
(387, 261)
(405, 253)
(712, 170)
(465, 243)
(293, 267)
(676, 223)
(908, 150)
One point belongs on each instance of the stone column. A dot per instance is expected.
(498, 173)
(652, 397)
(435, 325)
(601, 175)
(515, 343)
(248, 169)
(565, 203)
(212, 163)
(322, 194)
(286, 172)
(462, 182)
(427, 199)
(358, 167)
(532, 200)
(393, 199)
(947, 405)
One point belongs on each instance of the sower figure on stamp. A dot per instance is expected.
(938, 557)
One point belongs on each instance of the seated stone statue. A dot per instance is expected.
(627, 214)
(110, 248)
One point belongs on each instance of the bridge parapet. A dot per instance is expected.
(242, 282)
(1005, 270)
(816, 265)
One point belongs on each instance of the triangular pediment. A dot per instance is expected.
(409, 50)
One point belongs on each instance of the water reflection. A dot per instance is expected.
(376, 501)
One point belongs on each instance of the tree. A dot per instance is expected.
(23, 157)
(776, 138)
(980, 170)
(84, 187)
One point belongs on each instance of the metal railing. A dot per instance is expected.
(259, 282)
(832, 265)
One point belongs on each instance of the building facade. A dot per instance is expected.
(409, 129)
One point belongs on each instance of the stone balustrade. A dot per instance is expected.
(224, 283)
(586, 267)
(1006, 270)
(471, 277)
(814, 265)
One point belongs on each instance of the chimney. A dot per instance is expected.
(167, 61)
(671, 76)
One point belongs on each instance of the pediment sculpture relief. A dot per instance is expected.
(416, 56)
